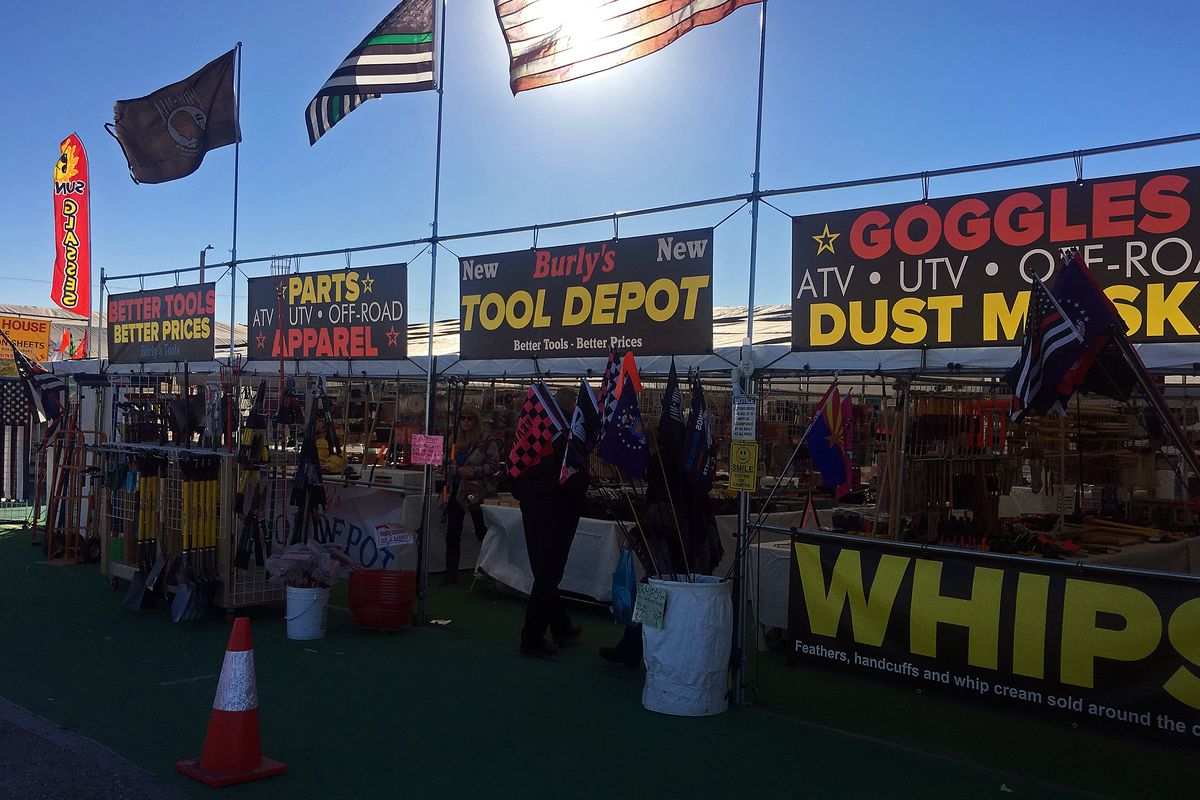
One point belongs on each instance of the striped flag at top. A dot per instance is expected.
(551, 41)
(395, 57)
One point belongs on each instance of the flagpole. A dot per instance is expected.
(740, 584)
(427, 493)
(237, 148)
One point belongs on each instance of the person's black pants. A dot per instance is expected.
(455, 514)
(549, 531)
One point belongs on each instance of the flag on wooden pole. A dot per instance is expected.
(397, 56)
(552, 41)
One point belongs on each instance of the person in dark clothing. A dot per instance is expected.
(550, 513)
(475, 463)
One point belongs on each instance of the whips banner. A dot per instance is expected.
(649, 294)
(956, 271)
(359, 313)
(157, 325)
(1097, 647)
(71, 288)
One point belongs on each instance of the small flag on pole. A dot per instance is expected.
(541, 423)
(827, 441)
(699, 460)
(624, 444)
(45, 389)
(395, 57)
(552, 41)
(585, 430)
(165, 135)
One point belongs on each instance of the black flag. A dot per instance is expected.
(165, 134)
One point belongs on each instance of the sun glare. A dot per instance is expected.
(580, 21)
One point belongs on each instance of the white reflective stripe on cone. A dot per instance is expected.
(237, 689)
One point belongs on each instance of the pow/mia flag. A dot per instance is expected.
(165, 135)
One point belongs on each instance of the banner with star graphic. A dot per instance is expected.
(649, 294)
(359, 313)
(957, 271)
(162, 325)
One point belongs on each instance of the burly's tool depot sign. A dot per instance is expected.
(648, 294)
(175, 324)
(956, 271)
(356, 313)
(1113, 647)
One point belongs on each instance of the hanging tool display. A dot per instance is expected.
(146, 474)
(308, 486)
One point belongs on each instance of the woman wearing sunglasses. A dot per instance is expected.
(472, 479)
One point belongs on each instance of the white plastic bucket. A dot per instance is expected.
(687, 660)
(307, 610)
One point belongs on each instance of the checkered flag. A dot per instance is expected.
(541, 423)
(608, 394)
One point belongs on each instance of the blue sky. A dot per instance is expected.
(852, 90)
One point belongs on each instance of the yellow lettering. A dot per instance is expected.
(606, 303)
(691, 286)
(911, 326)
(1000, 322)
(633, 294)
(857, 333)
(1123, 297)
(943, 306)
(817, 335)
(1184, 632)
(469, 303)
(869, 614)
(577, 306)
(514, 300)
(1162, 309)
(1029, 625)
(1083, 640)
(663, 313)
(979, 614)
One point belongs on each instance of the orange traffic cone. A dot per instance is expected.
(232, 749)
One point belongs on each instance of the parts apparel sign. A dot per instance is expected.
(648, 294)
(956, 272)
(160, 325)
(1112, 647)
(342, 314)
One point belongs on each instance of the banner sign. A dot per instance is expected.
(648, 294)
(426, 450)
(173, 324)
(31, 336)
(956, 271)
(1108, 647)
(356, 313)
(72, 286)
(364, 521)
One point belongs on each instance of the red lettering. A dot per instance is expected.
(210, 301)
(341, 341)
(1029, 226)
(1112, 209)
(541, 264)
(1060, 229)
(870, 236)
(933, 230)
(1166, 210)
(978, 229)
(610, 260)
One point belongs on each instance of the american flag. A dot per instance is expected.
(14, 419)
(552, 41)
(45, 389)
(1051, 347)
(541, 423)
(397, 56)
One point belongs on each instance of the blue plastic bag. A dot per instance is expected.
(624, 588)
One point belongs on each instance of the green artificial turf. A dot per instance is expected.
(456, 712)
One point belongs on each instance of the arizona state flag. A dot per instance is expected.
(71, 288)
(165, 135)
(552, 42)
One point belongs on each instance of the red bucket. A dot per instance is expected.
(382, 598)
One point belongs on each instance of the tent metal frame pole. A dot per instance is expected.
(237, 151)
(733, 198)
(431, 369)
(741, 585)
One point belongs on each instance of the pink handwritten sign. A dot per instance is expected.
(426, 449)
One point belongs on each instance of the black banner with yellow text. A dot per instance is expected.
(359, 313)
(162, 325)
(1100, 647)
(956, 271)
(648, 294)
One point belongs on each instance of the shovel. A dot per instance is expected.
(154, 557)
(137, 584)
(185, 591)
